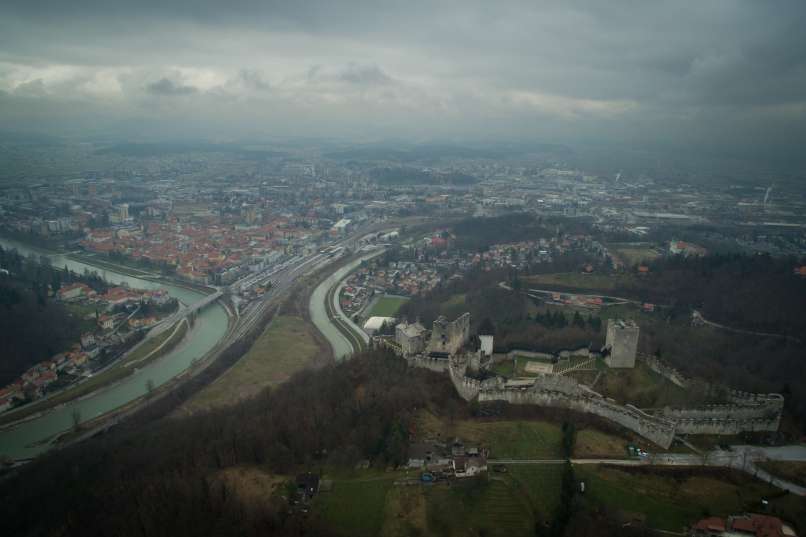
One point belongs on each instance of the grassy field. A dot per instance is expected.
(506, 504)
(387, 306)
(368, 503)
(512, 503)
(577, 280)
(540, 484)
(790, 470)
(356, 507)
(285, 347)
(505, 369)
(594, 444)
(642, 387)
(671, 500)
(478, 507)
(85, 314)
(506, 439)
(632, 254)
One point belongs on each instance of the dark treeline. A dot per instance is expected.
(165, 478)
(35, 327)
(478, 234)
(529, 335)
(758, 293)
(505, 314)
(37, 271)
(754, 293)
(482, 298)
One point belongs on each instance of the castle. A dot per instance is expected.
(621, 344)
(445, 349)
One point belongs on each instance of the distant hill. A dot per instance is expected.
(406, 153)
(161, 149)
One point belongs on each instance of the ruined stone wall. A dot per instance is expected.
(665, 370)
(529, 354)
(439, 365)
(582, 351)
(746, 412)
(449, 336)
(656, 429)
(467, 388)
(727, 426)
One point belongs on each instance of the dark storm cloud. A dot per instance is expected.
(166, 87)
(572, 68)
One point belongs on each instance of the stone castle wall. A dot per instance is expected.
(658, 430)
(750, 412)
(511, 355)
(727, 426)
(665, 370)
(449, 336)
(746, 412)
(743, 412)
(439, 365)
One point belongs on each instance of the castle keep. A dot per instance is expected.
(621, 343)
(447, 337)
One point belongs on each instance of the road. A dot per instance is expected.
(284, 278)
(699, 317)
(743, 458)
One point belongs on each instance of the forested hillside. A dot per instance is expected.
(35, 327)
(169, 478)
(753, 292)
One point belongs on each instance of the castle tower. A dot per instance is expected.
(622, 341)
(447, 337)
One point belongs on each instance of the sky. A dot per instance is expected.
(726, 74)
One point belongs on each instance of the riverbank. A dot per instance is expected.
(337, 318)
(33, 436)
(106, 264)
(140, 355)
(165, 399)
(325, 314)
(289, 343)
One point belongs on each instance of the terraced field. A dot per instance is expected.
(540, 484)
(355, 507)
(478, 507)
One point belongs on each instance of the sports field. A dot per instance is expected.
(387, 306)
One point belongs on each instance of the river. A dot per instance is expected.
(33, 437)
(341, 345)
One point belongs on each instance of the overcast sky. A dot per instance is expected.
(719, 72)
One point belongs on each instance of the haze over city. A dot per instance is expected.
(725, 75)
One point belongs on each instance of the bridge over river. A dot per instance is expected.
(183, 312)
